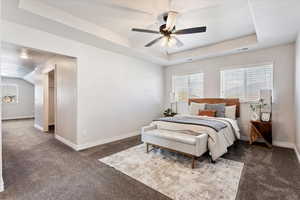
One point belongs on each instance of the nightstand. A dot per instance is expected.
(260, 129)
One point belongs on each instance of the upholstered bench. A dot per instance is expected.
(189, 145)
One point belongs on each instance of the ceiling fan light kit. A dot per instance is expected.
(24, 54)
(171, 41)
(168, 41)
(168, 31)
(164, 41)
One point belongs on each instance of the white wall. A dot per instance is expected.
(1, 179)
(38, 101)
(297, 93)
(116, 94)
(66, 102)
(283, 59)
(64, 69)
(24, 108)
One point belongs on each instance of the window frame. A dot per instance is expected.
(246, 100)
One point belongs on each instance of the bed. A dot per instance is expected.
(194, 135)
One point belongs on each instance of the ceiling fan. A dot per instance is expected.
(168, 31)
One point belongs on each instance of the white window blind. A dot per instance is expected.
(246, 83)
(187, 86)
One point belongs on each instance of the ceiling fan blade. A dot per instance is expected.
(144, 30)
(178, 42)
(191, 30)
(171, 20)
(153, 41)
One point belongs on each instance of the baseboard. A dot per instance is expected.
(108, 140)
(288, 145)
(120, 137)
(20, 117)
(280, 144)
(1, 184)
(66, 142)
(80, 147)
(284, 144)
(38, 127)
(275, 143)
(297, 153)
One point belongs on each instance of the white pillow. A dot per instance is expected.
(195, 107)
(230, 112)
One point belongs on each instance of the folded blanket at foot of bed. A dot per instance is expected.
(214, 124)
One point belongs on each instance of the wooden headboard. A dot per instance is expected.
(228, 102)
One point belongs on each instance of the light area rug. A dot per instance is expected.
(171, 174)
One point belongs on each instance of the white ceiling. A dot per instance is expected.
(225, 19)
(12, 65)
(276, 20)
(231, 24)
(222, 24)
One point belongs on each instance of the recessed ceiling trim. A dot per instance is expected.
(214, 50)
(35, 15)
(65, 18)
(253, 18)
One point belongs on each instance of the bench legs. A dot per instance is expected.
(147, 148)
(211, 160)
(193, 162)
(191, 156)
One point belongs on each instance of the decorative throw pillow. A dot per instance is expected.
(220, 108)
(208, 113)
(230, 112)
(195, 107)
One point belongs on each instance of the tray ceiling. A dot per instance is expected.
(225, 19)
(232, 25)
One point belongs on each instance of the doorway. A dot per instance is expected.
(49, 101)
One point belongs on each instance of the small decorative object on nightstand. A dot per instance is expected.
(265, 116)
(266, 110)
(169, 113)
(257, 109)
(260, 129)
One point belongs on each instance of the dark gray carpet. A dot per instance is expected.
(36, 166)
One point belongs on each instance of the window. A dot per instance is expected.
(187, 86)
(9, 93)
(246, 83)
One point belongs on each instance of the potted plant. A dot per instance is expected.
(169, 113)
(256, 109)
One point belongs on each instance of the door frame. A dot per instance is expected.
(46, 97)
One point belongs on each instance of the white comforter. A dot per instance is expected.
(218, 142)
